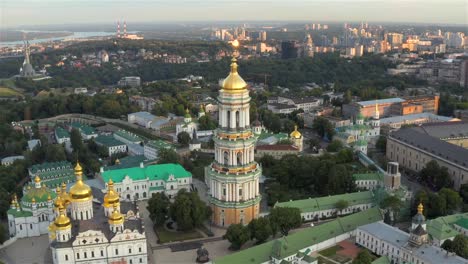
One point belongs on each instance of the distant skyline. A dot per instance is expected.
(14, 13)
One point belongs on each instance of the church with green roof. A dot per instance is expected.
(31, 215)
(139, 183)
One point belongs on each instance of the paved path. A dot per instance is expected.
(206, 240)
(33, 250)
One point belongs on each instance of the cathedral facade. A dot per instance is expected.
(87, 229)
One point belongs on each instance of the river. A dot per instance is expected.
(75, 35)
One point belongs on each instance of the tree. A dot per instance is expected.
(335, 146)
(313, 142)
(392, 204)
(381, 143)
(237, 234)
(459, 245)
(323, 127)
(188, 210)
(363, 257)
(167, 156)
(3, 234)
(284, 219)
(206, 123)
(183, 138)
(452, 198)
(76, 140)
(341, 205)
(158, 207)
(438, 176)
(260, 229)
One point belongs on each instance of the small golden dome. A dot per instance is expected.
(111, 197)
(37, 179)
(64, 195)
(49, 198)
(117, 161)
(33, 200)
(420, 208)
(234, 81)
(116, 217)
(295, 134)
(62, 222)
(57, 202)
(78, 169)
(80, 191)
(58, 191)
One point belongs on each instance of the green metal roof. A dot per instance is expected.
(62, 133)
(85, 129)
(128, 136)
(19, 213)
(153, 172)
(108, 141)
(293, 243)
(130, 162)
(159, 144)
(328, 202)
(40, 194)
(462, 223)
(51, 166)
(368, 176)
(441, 228)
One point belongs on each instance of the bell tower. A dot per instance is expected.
(233, 177)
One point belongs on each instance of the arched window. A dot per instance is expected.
(228, 118)
(239, 158)
(226, 158)
(81, 215)
(237, 119)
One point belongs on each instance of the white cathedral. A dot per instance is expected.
(89, 230)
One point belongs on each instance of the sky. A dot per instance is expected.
(15, 13)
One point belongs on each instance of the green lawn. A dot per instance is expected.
(8, 92)
(329, 252)
(166, 236)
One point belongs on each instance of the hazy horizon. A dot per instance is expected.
(16, 13)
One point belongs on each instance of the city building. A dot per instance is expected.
(132, 81)
(284, 104)
(314, 209)
(52, 174)
(139, 183)
(61, 135)
(31, 217)
(233, 177)
(395, 122)
(145, 103)
(194, 144)
(112, 145)
(298, 247)
(393, 106)
(289, 49)
(150, 121)
(90, 227)
(413, 148)
(402, 247)
(368, 181)
(33, 143)
(152, 148)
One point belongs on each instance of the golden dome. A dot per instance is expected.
(80, 191)
(234, 81)
(62, 222)
(420, 208)
(117, 161)
(116, 217)
(49, 198)
(295, 134)
(57, 202)
(64, 195)
(33, 200)
(52, 229)
(111, 197)
(37, 179)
